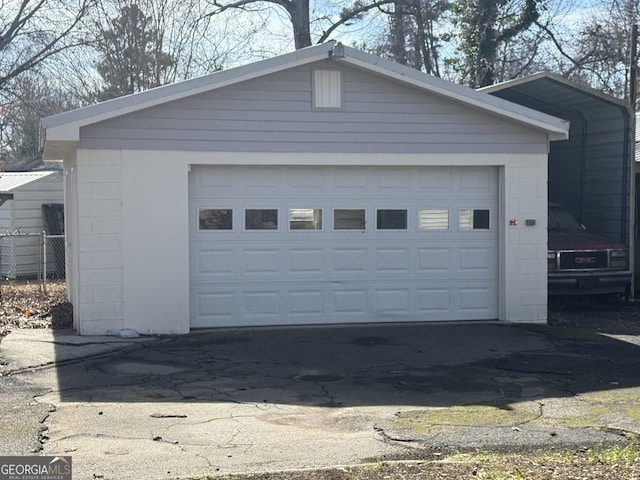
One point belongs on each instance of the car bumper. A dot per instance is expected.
(584, 283)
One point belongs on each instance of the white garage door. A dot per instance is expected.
(300, 245)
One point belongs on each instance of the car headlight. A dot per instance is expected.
(618, 259)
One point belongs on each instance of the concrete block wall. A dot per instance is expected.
(99, 199)
(525, 194)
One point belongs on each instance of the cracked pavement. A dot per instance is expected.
(270, 399)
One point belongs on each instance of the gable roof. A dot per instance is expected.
(65, 127)
(10, 181)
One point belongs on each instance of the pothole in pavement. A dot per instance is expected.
(143, 368)
(370, 341)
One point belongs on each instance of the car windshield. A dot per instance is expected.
(561, 221)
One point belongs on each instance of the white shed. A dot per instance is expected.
(23, 195)
(324, 186)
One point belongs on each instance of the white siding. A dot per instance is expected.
(28, 201)
(20, 256)
(6, 216)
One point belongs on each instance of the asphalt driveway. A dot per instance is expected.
(226, 401)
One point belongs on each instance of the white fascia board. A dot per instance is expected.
(66, 126)
(556, 128)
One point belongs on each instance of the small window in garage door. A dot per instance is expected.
(349, 219)
(473, 219)
(305, 219)
(433, 219)
(261, 219)
(391, 219)
(215, 219)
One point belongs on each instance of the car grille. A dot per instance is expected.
(583, 260)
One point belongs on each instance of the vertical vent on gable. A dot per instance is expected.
(327, 86)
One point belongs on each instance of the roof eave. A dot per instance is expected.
(558, 129)
(66, 126)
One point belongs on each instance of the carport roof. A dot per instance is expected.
(63, 130)
(548, 92)
(10, 181)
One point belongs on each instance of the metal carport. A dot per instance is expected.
(593, 172)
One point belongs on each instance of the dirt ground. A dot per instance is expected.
(578, 466)
(604, 315)
(28, 305)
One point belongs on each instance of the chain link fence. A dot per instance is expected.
(33, 291)
(32, 257)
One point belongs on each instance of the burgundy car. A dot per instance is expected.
(582, 263)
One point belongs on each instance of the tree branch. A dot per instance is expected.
(286, 4)
(348, 15)
(47, 50)
(555, 41)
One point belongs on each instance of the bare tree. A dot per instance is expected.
(599, 54)
(298, 13)
(414, 37)
(31, 31)
(29, 98)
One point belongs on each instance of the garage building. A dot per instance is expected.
(322, 186)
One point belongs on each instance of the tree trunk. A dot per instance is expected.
(299, 12)
(398, 47)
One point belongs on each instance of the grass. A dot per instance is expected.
(615, 462)
(617, 454)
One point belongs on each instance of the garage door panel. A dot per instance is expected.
(392, 301)
(340, 264)
(306, 302)
(476, 260)
(433, 301)
(261, 261)
(392, 260)
(395, 180)
(261, 303)
(268, 306)
(474, 179)
(349, 180)
(474, 299)
(351, 301)
(436, 271)
(436, 179)
(349, 260)
(307, 260)
(434, 260)
(215, 262)
(309, 180)
(215, 305)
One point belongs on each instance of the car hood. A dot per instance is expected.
(581, 241)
